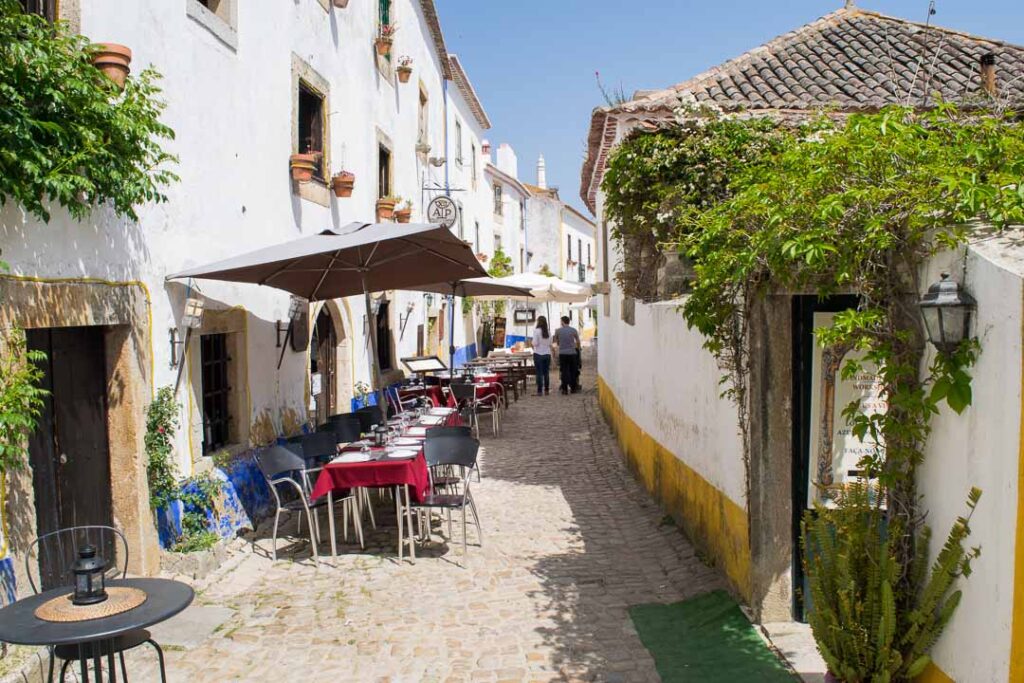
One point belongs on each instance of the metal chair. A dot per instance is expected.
(346, 427)
(279, 466)
(57, 551)
(466, 398)
(368, 417)
(460, 453)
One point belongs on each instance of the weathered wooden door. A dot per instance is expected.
(323, 356)
(68, 451)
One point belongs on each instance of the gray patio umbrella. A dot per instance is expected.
(478, 286)
(358, 258)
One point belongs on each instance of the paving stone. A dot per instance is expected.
(571, 541)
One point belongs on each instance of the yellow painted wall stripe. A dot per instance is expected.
(713, 522)
(1017, 627)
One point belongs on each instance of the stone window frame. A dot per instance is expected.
(384, 141)
(499, 202)
(303, 74)
(459, 160)
(221, 20)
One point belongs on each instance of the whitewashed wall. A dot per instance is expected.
(981, 448)
(668, 385)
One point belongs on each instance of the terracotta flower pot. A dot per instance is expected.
(343, 184)
(303, 166)
(341, 4)
(403, 215)
(384, 46)
(404, 72)
(113, 60)
(385, 209)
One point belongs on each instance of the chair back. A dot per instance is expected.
(50, 557)
(436, 432)
(368, 416)
(460, 451)
(346, 428)
(464, 392)
(277, 462)
(319, 445)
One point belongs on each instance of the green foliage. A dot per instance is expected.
(197, 495)
(657, 182)
(161, 423)
(363, 392)
(852, 205)
(67, 135)
(546, 270)
(21, 398)
(501, 266)
(854, 573)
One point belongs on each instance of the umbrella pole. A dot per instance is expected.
(451, 331)
(371, 317)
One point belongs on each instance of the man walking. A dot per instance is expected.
(568, 341)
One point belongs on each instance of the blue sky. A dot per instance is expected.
(533, 61)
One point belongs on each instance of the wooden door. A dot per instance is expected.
(68, 451)
(323, 359)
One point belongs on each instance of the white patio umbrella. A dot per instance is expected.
(546, 288)
(357, 259)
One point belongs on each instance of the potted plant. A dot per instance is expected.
(404, 68)
(303, 166)
(385, 39)
(342, 183)
(113, 60)
(404, 214)
(341, 4)
(482, 257)
(386, 208)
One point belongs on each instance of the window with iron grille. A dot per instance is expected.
(215, 391)
(458, 143)
(497, 200)
(44, 8)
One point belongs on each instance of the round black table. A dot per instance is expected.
(164, 599)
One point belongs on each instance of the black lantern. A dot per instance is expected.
(89, 572)
(947, 314)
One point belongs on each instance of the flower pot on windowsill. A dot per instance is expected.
(343, 183)
(341, 4)
(404, 73)
(113, 60)
(303, 166)
(482, 257)
(385, 209)
(403, 215)
(384, 44)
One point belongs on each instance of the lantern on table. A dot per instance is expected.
(90, 578)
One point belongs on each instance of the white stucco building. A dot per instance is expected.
(246, 85)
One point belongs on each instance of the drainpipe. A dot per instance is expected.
(448, 192)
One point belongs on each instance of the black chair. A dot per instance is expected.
(435, 432)
(458, 453)
(283, 471)
(346, 428)
(57, 551)
(368, 417)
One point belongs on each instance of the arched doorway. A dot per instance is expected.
(323, 366)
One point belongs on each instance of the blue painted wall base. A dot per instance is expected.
(8, 583)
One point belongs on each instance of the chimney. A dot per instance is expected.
(988, 73)
(542, 175)
(485, 150)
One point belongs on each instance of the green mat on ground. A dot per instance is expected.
(706, 639)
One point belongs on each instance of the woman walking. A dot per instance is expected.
(542, 355)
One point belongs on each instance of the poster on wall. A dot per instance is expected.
(835, 451)
(499, 333)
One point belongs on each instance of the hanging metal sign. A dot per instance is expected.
(443, 210)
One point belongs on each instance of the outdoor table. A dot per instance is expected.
(433, 392)
(164, 599)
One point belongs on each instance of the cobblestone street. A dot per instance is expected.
(570, 542)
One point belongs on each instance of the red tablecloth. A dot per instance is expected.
(373, 474)
(486, 390)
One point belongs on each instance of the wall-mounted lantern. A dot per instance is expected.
(191, 319)
(947, 314)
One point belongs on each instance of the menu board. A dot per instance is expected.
(835, 452)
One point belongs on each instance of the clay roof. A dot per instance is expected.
(849, 60)
(538, 190)
(468, 93)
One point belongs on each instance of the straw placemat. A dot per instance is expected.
(119, 599)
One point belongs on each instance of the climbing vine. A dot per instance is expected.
(839, 205)
(21, 398)
(67, 135)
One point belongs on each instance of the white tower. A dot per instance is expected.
(542, 175)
